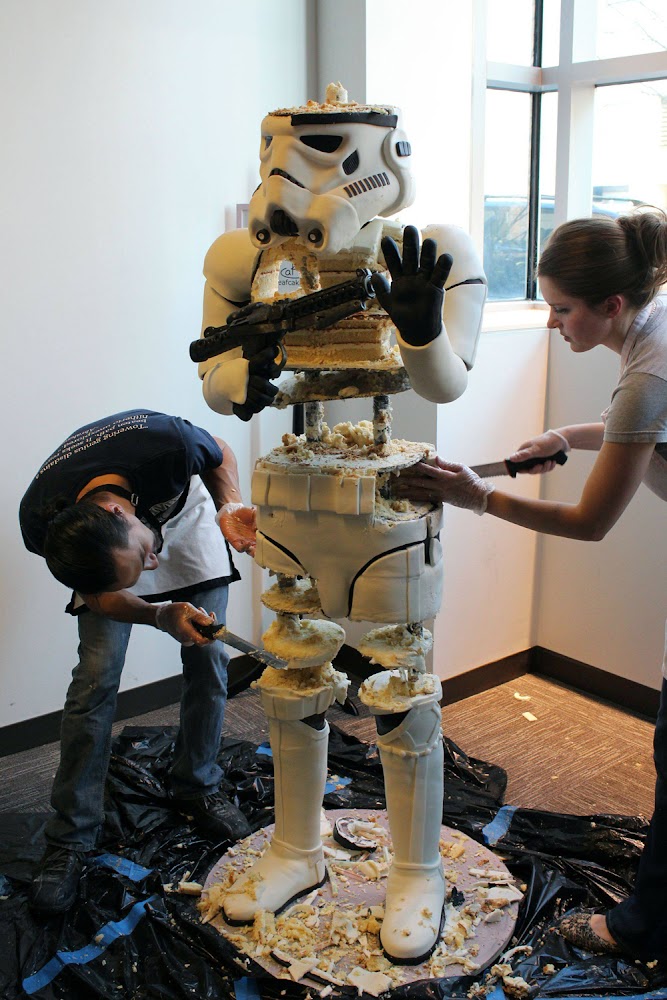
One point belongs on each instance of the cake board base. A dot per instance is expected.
(308, 386)
(352, 891)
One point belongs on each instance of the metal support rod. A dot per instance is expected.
(314, 420)
(381, 420)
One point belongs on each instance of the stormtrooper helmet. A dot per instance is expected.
(328, 169)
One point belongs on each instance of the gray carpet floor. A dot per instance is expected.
(578, 755)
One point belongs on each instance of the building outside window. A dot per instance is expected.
(575, 123)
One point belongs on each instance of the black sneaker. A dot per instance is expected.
(56, 879)
(215, 815)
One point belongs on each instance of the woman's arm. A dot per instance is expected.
(583, 437)
(586, 437)
(611, 485)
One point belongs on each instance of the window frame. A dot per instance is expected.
(574, 79)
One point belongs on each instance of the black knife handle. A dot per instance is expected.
(560, 458)
(208, 631)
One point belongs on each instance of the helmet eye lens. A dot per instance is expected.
(323, 143)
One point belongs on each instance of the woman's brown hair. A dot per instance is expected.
(594, 258)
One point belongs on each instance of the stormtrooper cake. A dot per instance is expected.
(333, 174)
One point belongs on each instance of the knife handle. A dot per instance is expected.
(209, 631)
(560, 458)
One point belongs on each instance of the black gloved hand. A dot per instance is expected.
(414, 299)
(260, 391)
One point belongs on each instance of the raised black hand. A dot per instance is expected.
(414, 298)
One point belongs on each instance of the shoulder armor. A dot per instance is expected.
(450, 239)
(229, 265)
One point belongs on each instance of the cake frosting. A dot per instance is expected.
(304, 680)
(299, 597)
(336, 99)
(303, 643)
(396, 690)
(397, 646)
(343, 480)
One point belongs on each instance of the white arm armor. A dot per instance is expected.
(439, 371)
(228, 269)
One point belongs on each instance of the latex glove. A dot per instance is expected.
(176, 619)
(544, 444)
(238, 524)
(260, 391)
(414, 300)
(444, 482)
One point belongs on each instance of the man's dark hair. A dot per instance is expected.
(79, 545)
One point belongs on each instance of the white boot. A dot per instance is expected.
(412, 761)
(294, 861)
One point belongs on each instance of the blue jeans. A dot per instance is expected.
(639, 923)
(78, 788)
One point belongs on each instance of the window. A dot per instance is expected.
(580, 128)
(629, 173)
(630, 27)
(506, 192)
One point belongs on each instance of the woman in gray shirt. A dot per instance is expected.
(601, 278)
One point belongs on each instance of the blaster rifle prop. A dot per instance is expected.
(262, 324)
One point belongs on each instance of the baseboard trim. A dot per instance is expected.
(46, 728)
(619, 691)
(43, 729)
(483, 678)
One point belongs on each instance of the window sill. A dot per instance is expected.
(500, 316)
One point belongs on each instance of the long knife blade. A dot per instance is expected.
(221, 632)
(509, 468)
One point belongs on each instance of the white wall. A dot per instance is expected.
(420, 58)
(129, 132)
(600, 602)
(487, 604)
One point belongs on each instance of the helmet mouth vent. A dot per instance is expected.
(277, 172)
(283, 224)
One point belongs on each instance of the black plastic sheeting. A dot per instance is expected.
(126, 937)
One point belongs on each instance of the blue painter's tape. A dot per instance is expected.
(101, 941)
(123, 866)
(334, 781)
(499, 825)
(246, 989)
